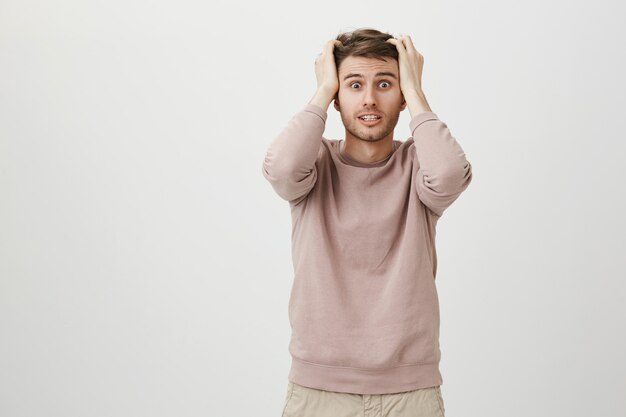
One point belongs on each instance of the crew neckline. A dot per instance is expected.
(345, 158)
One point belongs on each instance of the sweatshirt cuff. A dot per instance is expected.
(420, 118)
(314, 108)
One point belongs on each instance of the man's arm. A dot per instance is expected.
(444, 171)
(289, 163)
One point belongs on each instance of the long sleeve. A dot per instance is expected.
(444, 172)
(289, 163)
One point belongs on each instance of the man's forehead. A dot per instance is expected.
(361, 67)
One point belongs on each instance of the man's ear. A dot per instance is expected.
(336, 103)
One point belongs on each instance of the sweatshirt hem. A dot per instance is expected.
(365, 381)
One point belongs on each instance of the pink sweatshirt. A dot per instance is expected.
(364, 309)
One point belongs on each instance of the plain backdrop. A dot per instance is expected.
(145, 262)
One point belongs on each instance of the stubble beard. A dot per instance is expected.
(374, 133)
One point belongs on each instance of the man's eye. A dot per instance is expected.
(351, 85)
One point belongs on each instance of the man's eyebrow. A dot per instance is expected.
(378, 74)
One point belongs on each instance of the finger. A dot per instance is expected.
(331, 44)
(403, 41)
(399, 46)
(410, 47)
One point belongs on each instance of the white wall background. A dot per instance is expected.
(145, 262)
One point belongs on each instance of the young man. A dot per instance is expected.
(364, 308)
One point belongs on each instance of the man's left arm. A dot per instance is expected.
(444, 171)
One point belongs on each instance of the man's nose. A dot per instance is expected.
(369, 98)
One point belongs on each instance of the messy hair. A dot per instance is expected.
(364, 42)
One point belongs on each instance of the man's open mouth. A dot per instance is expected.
(370, 120)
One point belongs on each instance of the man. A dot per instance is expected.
(364, 308)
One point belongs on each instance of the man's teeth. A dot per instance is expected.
(369, 117)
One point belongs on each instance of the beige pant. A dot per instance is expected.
(303, 401)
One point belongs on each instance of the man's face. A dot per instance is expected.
(369, 93)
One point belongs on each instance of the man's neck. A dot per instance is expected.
(367, 152)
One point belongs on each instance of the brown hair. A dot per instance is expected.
(364, 42)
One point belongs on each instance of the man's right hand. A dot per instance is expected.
(326, 73)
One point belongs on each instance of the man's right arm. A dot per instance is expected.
(289, 163)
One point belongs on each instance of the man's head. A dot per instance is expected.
(369, 82)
